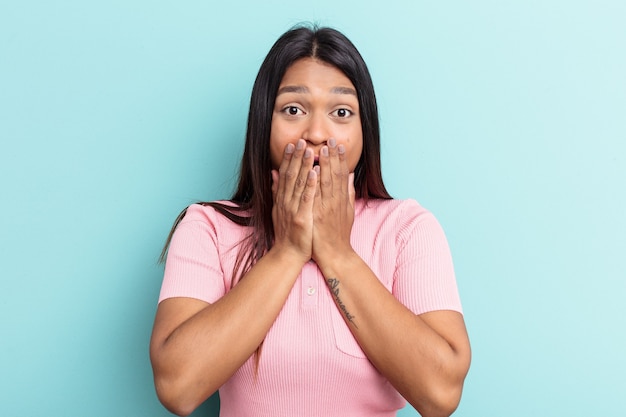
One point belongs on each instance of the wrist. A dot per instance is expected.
(288, 255)
(337, 262)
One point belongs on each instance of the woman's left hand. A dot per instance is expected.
(333, 208)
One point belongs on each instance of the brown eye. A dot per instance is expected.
(342, 113)
(292, 110)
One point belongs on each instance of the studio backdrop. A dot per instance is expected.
(505, 119)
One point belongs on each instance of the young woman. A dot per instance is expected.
(311, 292)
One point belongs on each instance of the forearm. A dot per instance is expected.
(195, 358)
(427, 368)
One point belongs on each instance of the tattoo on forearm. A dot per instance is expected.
(333, 284)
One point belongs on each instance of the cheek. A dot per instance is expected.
(281, 135)
(274, 144)
(354, 158)
(276, 153)
(355, 149)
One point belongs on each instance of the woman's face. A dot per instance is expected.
(316, 102)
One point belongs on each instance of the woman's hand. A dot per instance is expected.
(293, 188)
(333, 210)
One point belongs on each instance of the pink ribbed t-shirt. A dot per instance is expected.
(311, 365)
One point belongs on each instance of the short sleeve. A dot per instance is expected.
(192, 267)
(424, 278)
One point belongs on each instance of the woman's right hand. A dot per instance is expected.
(293, 189)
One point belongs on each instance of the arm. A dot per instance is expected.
(196, 346)
(425, 357)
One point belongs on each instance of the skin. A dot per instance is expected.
(196, 347)
(316, 102)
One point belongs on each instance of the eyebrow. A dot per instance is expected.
(303, 90)
(292, 89)
(343, 90)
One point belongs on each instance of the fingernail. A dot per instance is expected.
(332, 142)
(311, 174)
(300, 145)
(316, 168)
(308, 153)
(341, 149)
(289, 148)
(325, 151)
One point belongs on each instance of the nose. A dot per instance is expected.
(316, 131)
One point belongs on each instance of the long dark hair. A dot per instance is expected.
(251, 204)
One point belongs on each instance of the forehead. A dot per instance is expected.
(309, 71)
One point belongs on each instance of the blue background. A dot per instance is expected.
(506, 119)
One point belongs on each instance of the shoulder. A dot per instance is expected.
(207, 213)
(390, 209)
(404, 218)
(203, 219)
